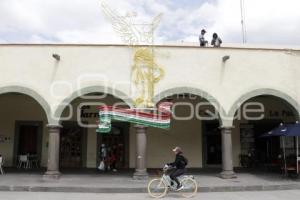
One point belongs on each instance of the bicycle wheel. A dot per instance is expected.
(157, 188)
(190, 187)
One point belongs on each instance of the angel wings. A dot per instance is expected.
(131, 34)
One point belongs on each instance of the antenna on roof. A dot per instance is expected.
(244, 33)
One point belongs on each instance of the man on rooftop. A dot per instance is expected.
(202, 40)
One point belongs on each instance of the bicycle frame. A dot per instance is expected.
(167, 180)
(164, 184)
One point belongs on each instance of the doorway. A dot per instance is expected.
(266, 149)
(73, 139)
(212, 147)
(116, 142)
(28, 139)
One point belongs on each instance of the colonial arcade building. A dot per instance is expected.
(224, 98)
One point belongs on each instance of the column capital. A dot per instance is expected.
(54, 126)
(226, 127)
(138, 126)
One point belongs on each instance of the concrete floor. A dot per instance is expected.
(116, 182)
(270, 195)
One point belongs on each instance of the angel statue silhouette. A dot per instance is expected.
(145, 71)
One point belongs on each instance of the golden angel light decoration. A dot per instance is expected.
(145, 71)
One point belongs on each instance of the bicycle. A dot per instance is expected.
(159, 187)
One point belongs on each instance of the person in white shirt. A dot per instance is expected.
(202, 40)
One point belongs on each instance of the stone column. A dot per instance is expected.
(141, 148)
(227, 164)
(53, 151)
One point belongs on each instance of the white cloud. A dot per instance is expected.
(267, 21)
(81, 21)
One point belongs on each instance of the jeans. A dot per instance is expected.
(176, 173)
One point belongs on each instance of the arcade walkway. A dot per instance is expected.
(95, 182)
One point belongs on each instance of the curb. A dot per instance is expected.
(144, 190)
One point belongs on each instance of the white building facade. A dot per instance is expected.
(49, 105)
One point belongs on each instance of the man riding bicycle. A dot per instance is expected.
(159, 187)
(179, 166)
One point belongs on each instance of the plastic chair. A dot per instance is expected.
(23, 162)
(34, 162)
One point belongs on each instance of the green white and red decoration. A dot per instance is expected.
(159, 118)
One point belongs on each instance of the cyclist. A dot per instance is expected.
(179, 166)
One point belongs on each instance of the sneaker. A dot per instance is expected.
(179, 188)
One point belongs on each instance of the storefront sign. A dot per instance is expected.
(282, 113)
(85, 113)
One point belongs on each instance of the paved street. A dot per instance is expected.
(272, 195)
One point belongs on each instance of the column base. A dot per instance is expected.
(51, 175)
(140, 175)
(227, 175)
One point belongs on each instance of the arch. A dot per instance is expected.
(91, 89)
(195, 91)
(33, 94)
(265, 91)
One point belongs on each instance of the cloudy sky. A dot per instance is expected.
(82, 21)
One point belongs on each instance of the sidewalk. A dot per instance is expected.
(123, 183)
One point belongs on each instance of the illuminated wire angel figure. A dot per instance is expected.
(145, 71)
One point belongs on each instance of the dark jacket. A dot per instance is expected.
(179, 162)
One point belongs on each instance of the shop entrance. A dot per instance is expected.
(212, 149)
(267, 150)
(28, 139)
(72, 146)
(116, 143)
(263, 150)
